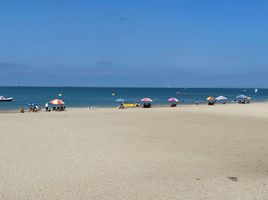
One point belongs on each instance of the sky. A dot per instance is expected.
(134, 43)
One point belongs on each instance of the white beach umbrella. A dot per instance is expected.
(221, 98)
(241, 96)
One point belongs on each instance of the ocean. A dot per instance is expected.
(105, 97)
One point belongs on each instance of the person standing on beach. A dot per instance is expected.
(46, 105)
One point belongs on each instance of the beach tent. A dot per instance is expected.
(221, 98)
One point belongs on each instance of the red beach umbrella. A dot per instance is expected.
(57, 102)
(210, 98)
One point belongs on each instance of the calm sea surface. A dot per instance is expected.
(105, 97)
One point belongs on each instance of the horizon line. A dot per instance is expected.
(156, 87)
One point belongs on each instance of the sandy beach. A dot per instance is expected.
(189, 152)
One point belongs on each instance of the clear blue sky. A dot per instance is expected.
(178, 43)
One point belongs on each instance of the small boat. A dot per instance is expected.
(6, 98)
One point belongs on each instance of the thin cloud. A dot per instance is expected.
(123, 19)
(104, 63)
(9, 67)
(5, 66)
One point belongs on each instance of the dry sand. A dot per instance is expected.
(190, 152)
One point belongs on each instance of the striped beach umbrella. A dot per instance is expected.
(146, 100)
(57, 102)
(210, 98)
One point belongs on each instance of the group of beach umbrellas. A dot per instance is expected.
(219, 98)
(147, 100)
(223, 98)
(142, 100)
(150, 100)
(210, 98)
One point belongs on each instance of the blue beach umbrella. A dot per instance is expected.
(120, 100)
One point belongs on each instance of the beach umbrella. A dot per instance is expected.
(146, 100)
(173, 99)
(120, 100)
(210, 98)
(242, 96)
(57, 102)
(221, 98)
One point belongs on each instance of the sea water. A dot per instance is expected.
(105, 97)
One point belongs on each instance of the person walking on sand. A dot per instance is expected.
(46, 105)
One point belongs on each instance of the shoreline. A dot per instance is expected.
(154, 106)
